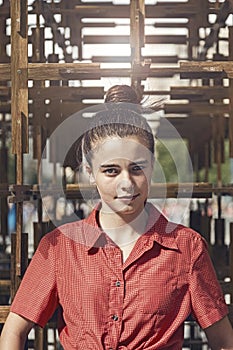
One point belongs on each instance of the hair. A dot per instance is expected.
(122, 93)
(120, 120)
(122, 117)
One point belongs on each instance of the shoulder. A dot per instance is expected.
(69, 232)
(82, 232)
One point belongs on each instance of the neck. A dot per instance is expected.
(122, 231)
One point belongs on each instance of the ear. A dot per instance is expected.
(91, 176)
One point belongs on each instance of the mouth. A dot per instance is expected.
(127, 198)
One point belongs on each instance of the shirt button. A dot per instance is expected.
(115, 317)
(118, 283)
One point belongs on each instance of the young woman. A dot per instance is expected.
(119, 280)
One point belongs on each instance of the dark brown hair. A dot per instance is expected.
(121, 116)
(122, 93)
(121, 120)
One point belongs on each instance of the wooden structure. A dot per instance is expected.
(50, 68)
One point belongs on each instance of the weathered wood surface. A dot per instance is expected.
(72, 71)
(127, 59)
(208, 67)
(164, 10)
(196, 108)
(19, 83)
(4, 311)
(19, 108)
(125, 39)
(231, 92)
(199, 92)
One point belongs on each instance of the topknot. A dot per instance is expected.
(122, 93)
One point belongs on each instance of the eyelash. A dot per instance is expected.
(114, 172)
(138, 167)
(111, 171)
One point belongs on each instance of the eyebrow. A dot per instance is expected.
(109, 166)
(136, 162)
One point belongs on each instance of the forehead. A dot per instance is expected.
(131, 148)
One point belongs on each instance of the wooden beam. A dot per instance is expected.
(66, 92)
(19, 107)
(209, 67)
(125, 39)
(63, 71)
(196, 108)
(127, 59)
(159, 10)
(5, 71)
(199, 92)
(89, 71)
(4, 311)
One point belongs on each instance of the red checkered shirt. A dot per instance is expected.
(107, 304)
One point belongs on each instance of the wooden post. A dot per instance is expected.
(137, 38)
(231, 94)
(19, 105)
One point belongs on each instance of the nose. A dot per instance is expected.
(125, 184)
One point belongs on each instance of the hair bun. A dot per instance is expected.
(122, 93)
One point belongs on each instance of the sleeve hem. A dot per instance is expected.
(212, 317)
(26, 315)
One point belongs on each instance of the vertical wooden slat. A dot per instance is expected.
(19, 87)
(137, 38)
(231, 93)
(19, 105)
(15, 279)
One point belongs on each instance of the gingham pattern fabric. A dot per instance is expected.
(107, 304)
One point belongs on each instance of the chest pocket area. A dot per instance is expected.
(158, 291)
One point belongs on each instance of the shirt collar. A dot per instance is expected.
(158, 229)
(93, 234)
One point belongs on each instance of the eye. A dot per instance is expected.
(136, 168)
(111, 171)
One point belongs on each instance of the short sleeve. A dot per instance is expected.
(208, 304)
(36, 298)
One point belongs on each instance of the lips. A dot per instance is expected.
(127, 198)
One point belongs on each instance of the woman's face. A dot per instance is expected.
(122, 168)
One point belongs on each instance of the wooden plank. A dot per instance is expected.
(160, 10)
(5, 283)
(78, 71)
(5, 107)
(5, 93)
(5, 71)
(209, 67)
(63, 71)
(4, 311)
(199, 92)
(127, 59)
(196, 108)
(125, 39)
(66, 92)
